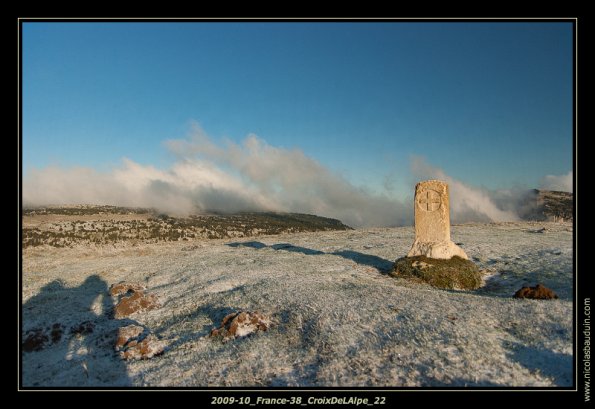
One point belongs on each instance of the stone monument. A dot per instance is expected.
(432, 222)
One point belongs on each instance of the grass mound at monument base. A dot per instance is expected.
(455, 273)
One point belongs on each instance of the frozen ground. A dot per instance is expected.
(339, 319)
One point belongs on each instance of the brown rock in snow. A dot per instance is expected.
(127, 333)
(539, 292)
(35, 340)
(124, 288)
(131, 344)
(136, 302)
(147, 348)
(84, 328)
(241, 324)
(56, 332)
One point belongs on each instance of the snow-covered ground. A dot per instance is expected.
(338, 318)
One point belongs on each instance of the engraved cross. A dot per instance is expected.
(430, 201)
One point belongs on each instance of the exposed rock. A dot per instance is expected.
(84, 328)
(542, 230)
(136, 302)
(452, 274)
(127, 333)
(539, 292)
(35, 340)
(135, 343)
(125, 288)
(241, 324)
(147, 348)
(56, 332)
(135, 299)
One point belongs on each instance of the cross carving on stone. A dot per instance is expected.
(430, 201)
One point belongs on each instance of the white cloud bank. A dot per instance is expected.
(562, 183)
(255, 176)
(206, 177)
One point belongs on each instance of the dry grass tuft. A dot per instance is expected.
(452, 274)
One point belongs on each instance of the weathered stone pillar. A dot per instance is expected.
(432, 222)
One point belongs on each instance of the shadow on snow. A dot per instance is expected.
(69, 329)
(382, 265)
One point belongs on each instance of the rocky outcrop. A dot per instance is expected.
(136, 302)
(135, 342)
(84, 328)
(125, 288)
(241, 324)
(539, 292)
(35, 340)
(135, 299)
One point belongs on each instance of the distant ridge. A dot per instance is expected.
(553, 205)
(66, 226)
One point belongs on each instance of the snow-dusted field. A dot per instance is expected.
(339, 319)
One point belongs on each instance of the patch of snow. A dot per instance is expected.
(341, 320)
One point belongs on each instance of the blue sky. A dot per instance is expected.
(489, 103)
